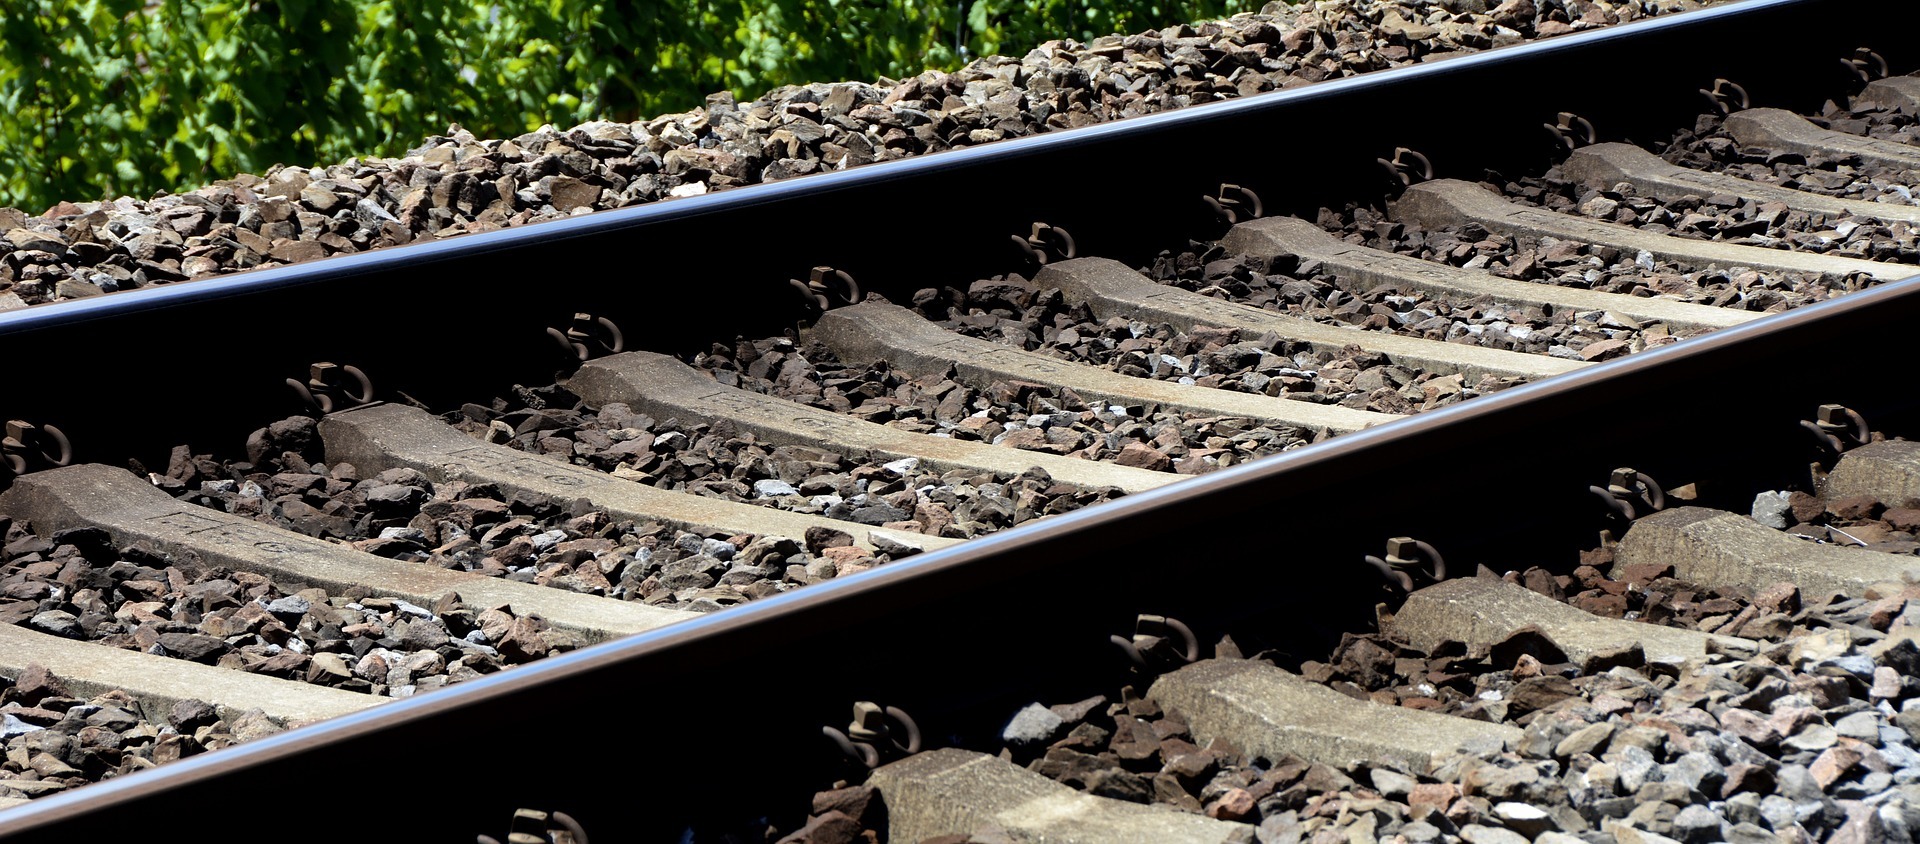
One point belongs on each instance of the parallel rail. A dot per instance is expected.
(707, 717)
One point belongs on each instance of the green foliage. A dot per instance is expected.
(104, 98)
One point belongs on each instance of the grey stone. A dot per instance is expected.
(1696, 824)
(1909, 721)
(1864, 726)
(394, 497)
(1698, 771)
(292, 606)
(1477, 834)
(896, 544)
(1587, 739)
(1771, 509)
(773, 488)
(1634, 764)
(58, 623)
(1797, 783)
(1522, 818)
(414, 535)
(1033, 725)
(1742, 808)
(1814, 737)
(11, 726)
(1392, 784)
(1749, 833)
(1417, 832)
(1779, 812)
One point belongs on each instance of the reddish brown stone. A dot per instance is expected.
(1854, 507)
(1235, 805)
(1436, 796)
(1780, 597)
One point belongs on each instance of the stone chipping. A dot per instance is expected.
(1588, 266)
(1809, 736)
(1009, 309)
(1018, 414)
(78, 584)
(456, 183)
(1305, 288)
(402, 515)
(716, 461)
(56, 741)
(1706, 147)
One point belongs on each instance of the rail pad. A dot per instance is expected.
(391, 436)
(159, 682)
(958, 792)
(661, 386)
(132, 510)
(1450, 202)
(1272, 237)
(1784, 130)
(1268, 712)
(1889, 471)
(1717, 548)
(1111, 289)
(875, 330)
(1483, 611)
(1605, 165)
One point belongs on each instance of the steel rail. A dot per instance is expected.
(702, 720)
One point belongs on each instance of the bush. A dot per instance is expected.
(121, 97)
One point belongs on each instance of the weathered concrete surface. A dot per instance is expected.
(391, 436)
(876, 330)
(958, 792)
(1272, 237)
(1717, 548)
(1892, 92)
(1268, 712)
(1784, 130)
(1110, 288)
(132, 510)
(663, 387)
(1483, 611)
(159, 682)
(1449, 202)
(1605, 165)
(1888, 471)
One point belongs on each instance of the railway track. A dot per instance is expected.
(382, 551)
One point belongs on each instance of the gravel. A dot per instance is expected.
(78, 585)
(1860, 521)
(1022, 415)
(1728, 219)
(454, 183)
(402, 515)
(1810, 737)
(1306, 289)
(1588, 266)
(1708, 147)
(55, 741)
(1011, 310)
(715, 461)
